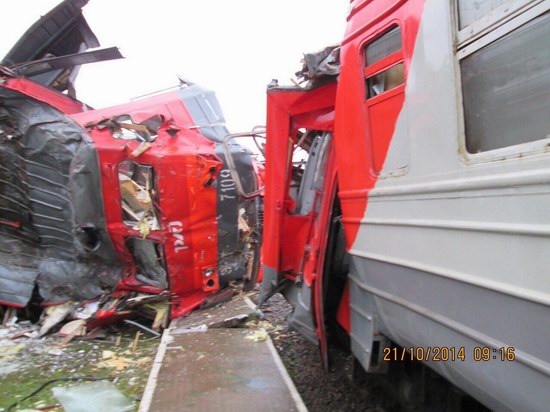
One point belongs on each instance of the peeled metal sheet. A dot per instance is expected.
(51, 207)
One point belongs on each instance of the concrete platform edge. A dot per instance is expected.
(151, 385)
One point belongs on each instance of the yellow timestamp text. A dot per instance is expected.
(449, 354)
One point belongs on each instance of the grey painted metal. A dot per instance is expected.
(420, 309)
(205, 110)
(453, 247)
(46, 65)
(60, 32)
(301, 318)
(270, 280)
(314, 176)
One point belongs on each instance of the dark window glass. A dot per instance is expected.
(506, 89)
(386, 80)
(383, 46)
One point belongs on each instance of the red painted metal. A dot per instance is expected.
(294, 245)
(184, 163)
(43, 94)
(363, 129)
(289, 110)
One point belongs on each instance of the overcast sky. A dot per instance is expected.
(234, 47)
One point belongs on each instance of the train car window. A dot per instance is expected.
(385, 45)
(383, 68)
(505, 88)
(476, 19)
(384, 90)
(472, 10)
(386, 80)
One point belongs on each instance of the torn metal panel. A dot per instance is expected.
(61, 31)
(16, 284)
(52, 50)
(322, 64)
(51, 195)
(38, 67)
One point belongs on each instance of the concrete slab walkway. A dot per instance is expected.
(219, 369)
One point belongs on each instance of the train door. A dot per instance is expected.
(300, 181)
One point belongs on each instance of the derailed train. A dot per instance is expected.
(413, 219)
(135, 198)
(410, 225)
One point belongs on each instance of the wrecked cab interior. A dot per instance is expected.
(121, 206)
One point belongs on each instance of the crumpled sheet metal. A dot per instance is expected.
(53, 226)
(320, 64)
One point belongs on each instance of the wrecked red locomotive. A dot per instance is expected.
(132, 198)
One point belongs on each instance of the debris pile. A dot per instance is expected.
(64, 349)
(86, 320)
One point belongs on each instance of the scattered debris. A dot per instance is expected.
(136, 341)
(42, 387)
(54, 315)
(138, 192)
(9, 351)
(232, 322)
(86, 310)
(107, 354)
(55, 352)
(144, 328)
(162, 315)
(90, 397)
(74, 328)
(259, 335)
(116, 362)
(10, 317)
(24, 333)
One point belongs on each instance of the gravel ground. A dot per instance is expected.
(321, 392)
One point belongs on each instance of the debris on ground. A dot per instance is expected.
(116, 362)
(91, 397)
(259, 335)
(29, 362)
(55, 315)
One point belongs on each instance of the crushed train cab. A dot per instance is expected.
(108, 203)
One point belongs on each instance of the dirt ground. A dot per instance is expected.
(26, 364)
